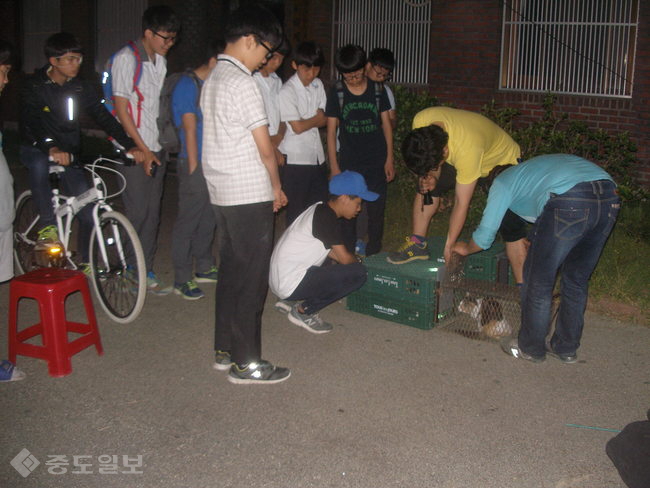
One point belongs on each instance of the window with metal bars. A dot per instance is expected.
(403, 26)
(584, 47)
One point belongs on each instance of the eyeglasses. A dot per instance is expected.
(70, 59)
(166, 39)
(270, 52)
(382, 72)
(355, 75)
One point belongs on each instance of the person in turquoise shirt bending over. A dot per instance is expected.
(573, 205)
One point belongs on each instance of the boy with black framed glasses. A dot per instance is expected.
(136, 107)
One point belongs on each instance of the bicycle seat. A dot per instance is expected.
(55, 168)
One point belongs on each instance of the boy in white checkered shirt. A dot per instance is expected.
(241, 172)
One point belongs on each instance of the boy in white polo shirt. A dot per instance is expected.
(270, 85)
(241, 172)
(137, 108)
(302, 107)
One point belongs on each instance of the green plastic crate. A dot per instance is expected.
(414, 281)
(415, 314)
(484, 265)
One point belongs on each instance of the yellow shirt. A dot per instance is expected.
(476, 144)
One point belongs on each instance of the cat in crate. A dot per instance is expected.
(488, 314)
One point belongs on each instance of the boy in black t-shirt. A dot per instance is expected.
(297, 271)
(359, 110)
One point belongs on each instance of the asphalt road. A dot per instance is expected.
(371, 404)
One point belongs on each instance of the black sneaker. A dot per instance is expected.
(511, 347)
(222, 360)
(409, 251)
(565, 358)
(260, 372)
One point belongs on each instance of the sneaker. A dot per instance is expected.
(360, 248)
(284, 306)
(152, 280)
(565, 358)
(86, 269)
(313, 323)
(409, 251)
(259, 372)
(210, 276)
(9, 371)
(222, 360)
(511, 347)
(47, 236)
(154, 285)
(188, 290)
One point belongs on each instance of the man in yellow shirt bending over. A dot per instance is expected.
(451, 148)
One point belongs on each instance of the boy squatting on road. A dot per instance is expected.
(143, 193)
(574, 205)
(53, 98)
(477, 149)
(298, 271)
(194, 228)
(241, 171)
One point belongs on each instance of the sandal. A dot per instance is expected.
(9, 372)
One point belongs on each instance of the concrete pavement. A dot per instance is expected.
(371, 404)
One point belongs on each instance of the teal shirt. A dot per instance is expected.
(525, 189)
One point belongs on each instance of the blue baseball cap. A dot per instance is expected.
(351, 183)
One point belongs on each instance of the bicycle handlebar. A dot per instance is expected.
(119, 156)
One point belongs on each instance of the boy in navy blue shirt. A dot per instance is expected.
(195, 224)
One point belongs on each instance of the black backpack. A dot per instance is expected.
(379, 88)
(167, 131)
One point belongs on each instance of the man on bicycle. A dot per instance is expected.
(53, 101)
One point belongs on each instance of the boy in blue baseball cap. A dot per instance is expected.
(301, 274)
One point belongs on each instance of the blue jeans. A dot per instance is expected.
(323, 285)
(568, 237)
(73, 182)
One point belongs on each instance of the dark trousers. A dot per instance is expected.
(245, 241)
(142, 198)
(194, 227)
(303, 185)
(73, 182)
(567, 238)
(326, 284)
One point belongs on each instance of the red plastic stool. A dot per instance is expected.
(50, 287)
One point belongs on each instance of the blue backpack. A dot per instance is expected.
(107, 85)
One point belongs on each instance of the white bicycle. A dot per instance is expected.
(119, 274)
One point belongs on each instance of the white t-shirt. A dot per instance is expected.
(298, 249)
(300, 102)
(232, 108)
(150, 85)
(270, 88)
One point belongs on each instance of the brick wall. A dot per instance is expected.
(464, 70)
(465, 52)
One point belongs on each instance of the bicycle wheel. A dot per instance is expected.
(118, 267)
(25, 232)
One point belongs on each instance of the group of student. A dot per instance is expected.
(250, 145)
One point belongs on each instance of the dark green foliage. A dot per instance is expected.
(556, 133)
